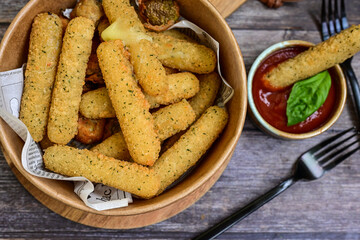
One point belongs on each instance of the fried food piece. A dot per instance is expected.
(191, 146)
(178, 35)
(103, 24)
(316, 59)
(159, 15)
(173, 119)
(96, 104)
(168, 121)
(209, 87)
(114, 8)
(125, 23)
(91, 9)
(131, 107)
(90, 130)
(93, 63)
(44, 51)
(129, 177)
(111, 127)
(148, 69)
(182, 85)
(70, 78)
(113, 146)
(183, 55)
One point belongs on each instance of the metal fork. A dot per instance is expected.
(310, 165)
(332, 23)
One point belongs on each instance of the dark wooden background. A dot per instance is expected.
(325, 209)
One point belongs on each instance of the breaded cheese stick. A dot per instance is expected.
(130, 105)
(148, 69)
(44, 51)
(190, 147)
(209, 87)
(125, 23)
(114, 146)
(168, 121)
(70, 78)
(181, 85)
(172, 119)
(324, 55)
(113, 8)
(183, 55)
(129, 177)
(96, 104)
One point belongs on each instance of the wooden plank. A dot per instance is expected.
(226, 7)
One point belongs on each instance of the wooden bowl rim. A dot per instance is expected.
(164, 201)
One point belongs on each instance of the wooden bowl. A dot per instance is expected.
(59, 195)
(268, 128)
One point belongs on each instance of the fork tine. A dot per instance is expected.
(331, 19)
(337, 19)
(324, 26)
(328, 158)
(329, 140)
(340, 159)
(323, 152)
(344, 21)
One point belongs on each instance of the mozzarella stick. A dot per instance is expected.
(190, 147)
(44, 51)
(209, 87)
(70, 78)
(125, 23)
(168, 121)
(172, 119)
(113, 8)
(130, 105)
(114, 146)
(184, 55)
(127, 176)
(324, 55)
(182, 85)
(96, 104)
(148, 69)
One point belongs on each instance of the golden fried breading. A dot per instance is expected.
(113, 8)
(316, 59)
(191, 146)
(182, 85)
(183, 55)
(96, 104)
(113, 146)
(44, 51)
(70, 78)
(129, 102)
(209, 87)
(129, 177)
(125, 23)
(168, 121)
(148, 69)
(172, 119)
(90, 130)
(91, 9)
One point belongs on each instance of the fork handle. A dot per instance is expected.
(242, 213)
(354, 85)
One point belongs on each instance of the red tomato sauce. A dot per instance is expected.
(272, 104)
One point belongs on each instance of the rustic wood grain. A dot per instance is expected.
(325, 209)
(227, 7)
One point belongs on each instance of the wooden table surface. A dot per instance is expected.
(325, 209)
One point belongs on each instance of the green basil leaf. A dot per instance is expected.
(307, 96)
